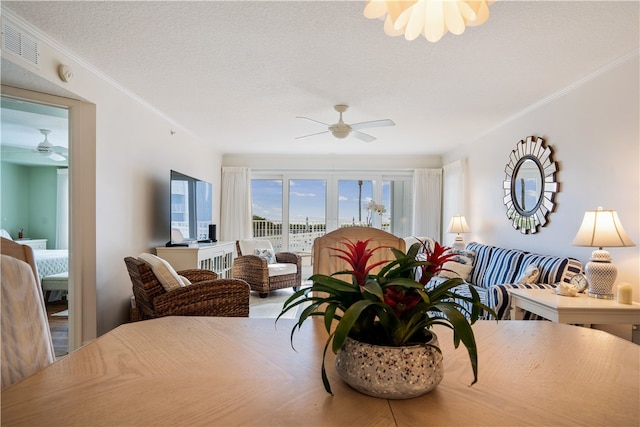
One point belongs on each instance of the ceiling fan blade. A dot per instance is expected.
(362, 136)
(311, 120)
(57, 157)
(312, 134)
(373, 123)
(58, 149)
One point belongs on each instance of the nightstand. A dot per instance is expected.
(34, 243)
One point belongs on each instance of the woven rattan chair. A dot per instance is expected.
(206, 296)
(262, 276)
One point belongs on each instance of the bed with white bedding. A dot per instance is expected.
(51, 261)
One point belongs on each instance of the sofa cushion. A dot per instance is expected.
(280, 269)
(464, 291)
(483, 252)
(502, 267)
(460, 267)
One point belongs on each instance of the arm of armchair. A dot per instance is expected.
(221, 297)
(289, 258)
(251, 268)
(197, 275)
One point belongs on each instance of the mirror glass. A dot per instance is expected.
(527, 186)
(530, 185)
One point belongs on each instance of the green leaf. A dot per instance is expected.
(373, 287)
(462, 331)
(349, 318)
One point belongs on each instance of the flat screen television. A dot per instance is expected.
(191, 209)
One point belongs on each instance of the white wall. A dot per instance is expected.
(331, 162)
(593, 129)
(134, 152)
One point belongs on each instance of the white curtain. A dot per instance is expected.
(455, 192)
(62, 210)
(235, 209)
(427, 203)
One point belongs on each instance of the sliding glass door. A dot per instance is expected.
(307, 217)
(293, 209)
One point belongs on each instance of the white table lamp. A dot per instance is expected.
(601, 228)
(458, 225)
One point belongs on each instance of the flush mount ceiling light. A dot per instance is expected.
(431, 18)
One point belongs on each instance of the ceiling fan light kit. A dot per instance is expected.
(45, 148)
(342, 130)
(430, 18)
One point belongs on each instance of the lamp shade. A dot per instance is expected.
(458, 225)
(601, 228)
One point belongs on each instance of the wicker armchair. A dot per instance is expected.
(263, 276)
(206, 296)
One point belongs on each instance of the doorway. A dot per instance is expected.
(34, 148)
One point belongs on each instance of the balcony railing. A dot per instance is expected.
(301, 234)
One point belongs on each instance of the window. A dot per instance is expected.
(307, 205)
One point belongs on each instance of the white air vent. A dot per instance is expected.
(19, 43)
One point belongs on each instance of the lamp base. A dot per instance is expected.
(601, 275)
(458, 243)
(600, 296)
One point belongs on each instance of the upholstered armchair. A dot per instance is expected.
(264, 269)
(185, 293)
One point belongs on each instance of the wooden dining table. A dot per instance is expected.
(205, 371)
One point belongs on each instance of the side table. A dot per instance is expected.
(574, 310)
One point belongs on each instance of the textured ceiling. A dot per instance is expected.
(237, 74)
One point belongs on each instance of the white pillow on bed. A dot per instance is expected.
(4, 233)
(167, 275)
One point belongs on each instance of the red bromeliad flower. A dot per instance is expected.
(399, 300)
(357, 255)
(436, 259)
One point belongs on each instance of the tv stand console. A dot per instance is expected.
(217, 256)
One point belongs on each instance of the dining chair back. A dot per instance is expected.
(326, 261)
(21, 252)
(26, 339)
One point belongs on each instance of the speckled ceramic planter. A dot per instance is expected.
(390, 372)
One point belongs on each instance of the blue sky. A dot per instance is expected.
(307, 199)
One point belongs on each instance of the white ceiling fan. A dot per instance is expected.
(342, 130)
(54, 152)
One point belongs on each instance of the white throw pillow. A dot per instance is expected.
(267, 254)
(529, 276)
(167, 275)
(461, 266)
(4, 233)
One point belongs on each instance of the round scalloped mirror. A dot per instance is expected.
(530, 185)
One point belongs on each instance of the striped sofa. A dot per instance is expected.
(496, 270)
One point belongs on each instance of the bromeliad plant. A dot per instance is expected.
(395, 307)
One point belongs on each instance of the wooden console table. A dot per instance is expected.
(242, 371)
(216, 257)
